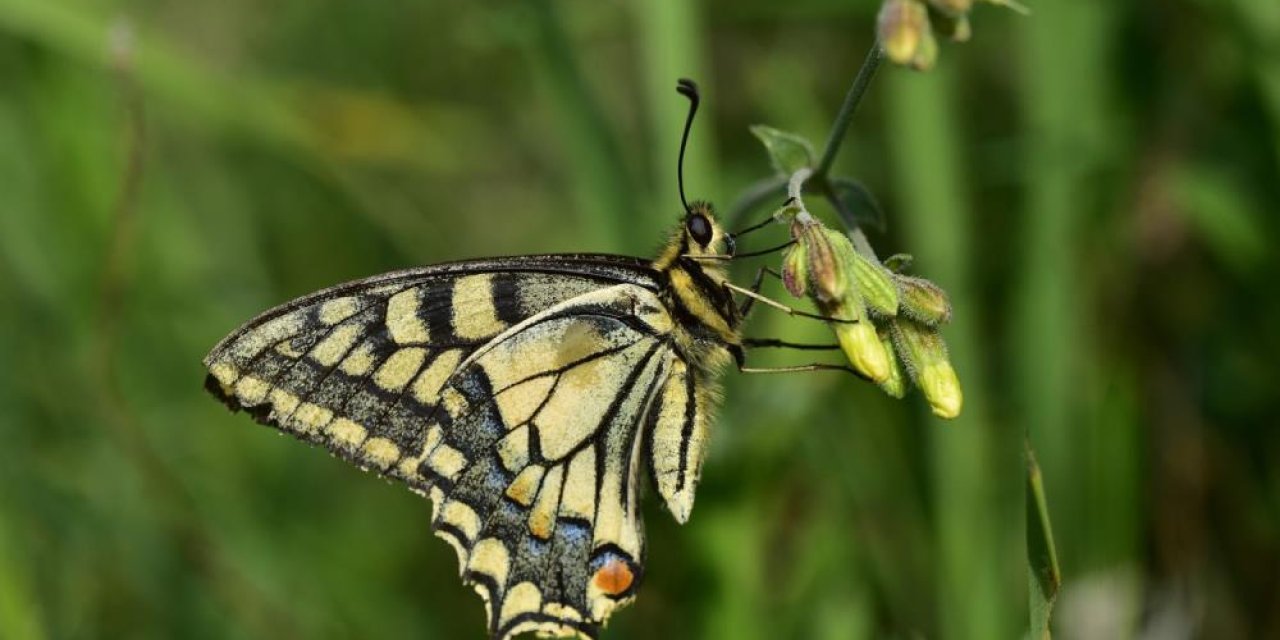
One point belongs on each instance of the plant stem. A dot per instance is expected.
(850, 106)
(794, 185)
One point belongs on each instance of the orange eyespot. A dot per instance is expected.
(614, 578)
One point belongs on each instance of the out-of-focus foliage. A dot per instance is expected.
(1094, 185)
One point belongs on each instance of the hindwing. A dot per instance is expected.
(535, 471)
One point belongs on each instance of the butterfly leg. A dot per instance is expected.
(816, 366)
(754, 295)
(756, 284)
(740, 358)
(762, 343)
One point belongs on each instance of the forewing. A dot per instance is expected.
(357, 368)
(533, 462)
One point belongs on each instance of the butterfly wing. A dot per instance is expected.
(357, 367)
(534, 462)
(512, 392)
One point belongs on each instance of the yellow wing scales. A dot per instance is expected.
(522, 403)
(360, 373)
(540, 405)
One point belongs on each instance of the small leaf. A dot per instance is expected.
(787, 151)
(1044, 575)
(861, 209)
(899, 262)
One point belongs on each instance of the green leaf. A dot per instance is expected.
(787, 151)
(1042, 558)
(861, 209)
(898, 262)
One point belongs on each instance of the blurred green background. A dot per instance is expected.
(1096, 185)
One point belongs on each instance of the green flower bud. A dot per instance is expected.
(795, 270)
(923, 301)
(926, 358)
(843, 283)
(902, 26)
(830, 259)
(961, 31)
(896, 384)
(864, 349)
(952, 7)
(927, 53)
(941, 388)
(1011, 4)
(828, 262)
(875, 284)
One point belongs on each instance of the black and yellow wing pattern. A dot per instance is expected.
(522, 395)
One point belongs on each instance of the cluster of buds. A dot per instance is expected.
(906, 32)
(886, 323)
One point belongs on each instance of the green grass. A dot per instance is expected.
(1092, 184)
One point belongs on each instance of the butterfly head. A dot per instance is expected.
(703, 235)
(700, 234)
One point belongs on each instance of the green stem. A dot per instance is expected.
(763, 190)
(836, 138)
(850, 106)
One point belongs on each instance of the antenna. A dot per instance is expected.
(688, 89)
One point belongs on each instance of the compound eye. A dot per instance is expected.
(699, 228)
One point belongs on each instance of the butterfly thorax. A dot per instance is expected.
(707, 320)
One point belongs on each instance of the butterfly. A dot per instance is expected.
(525, 396)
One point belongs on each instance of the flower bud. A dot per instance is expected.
(941, 388)
(830, 258)
(875, 284)
(864, 349)
(961, 31)
(795, 270)
(902, 26)
(1011, 4)
(827, 262)
(926, 357)
(952, 7)
(923, 301)
(896, 384)
(927, 53)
